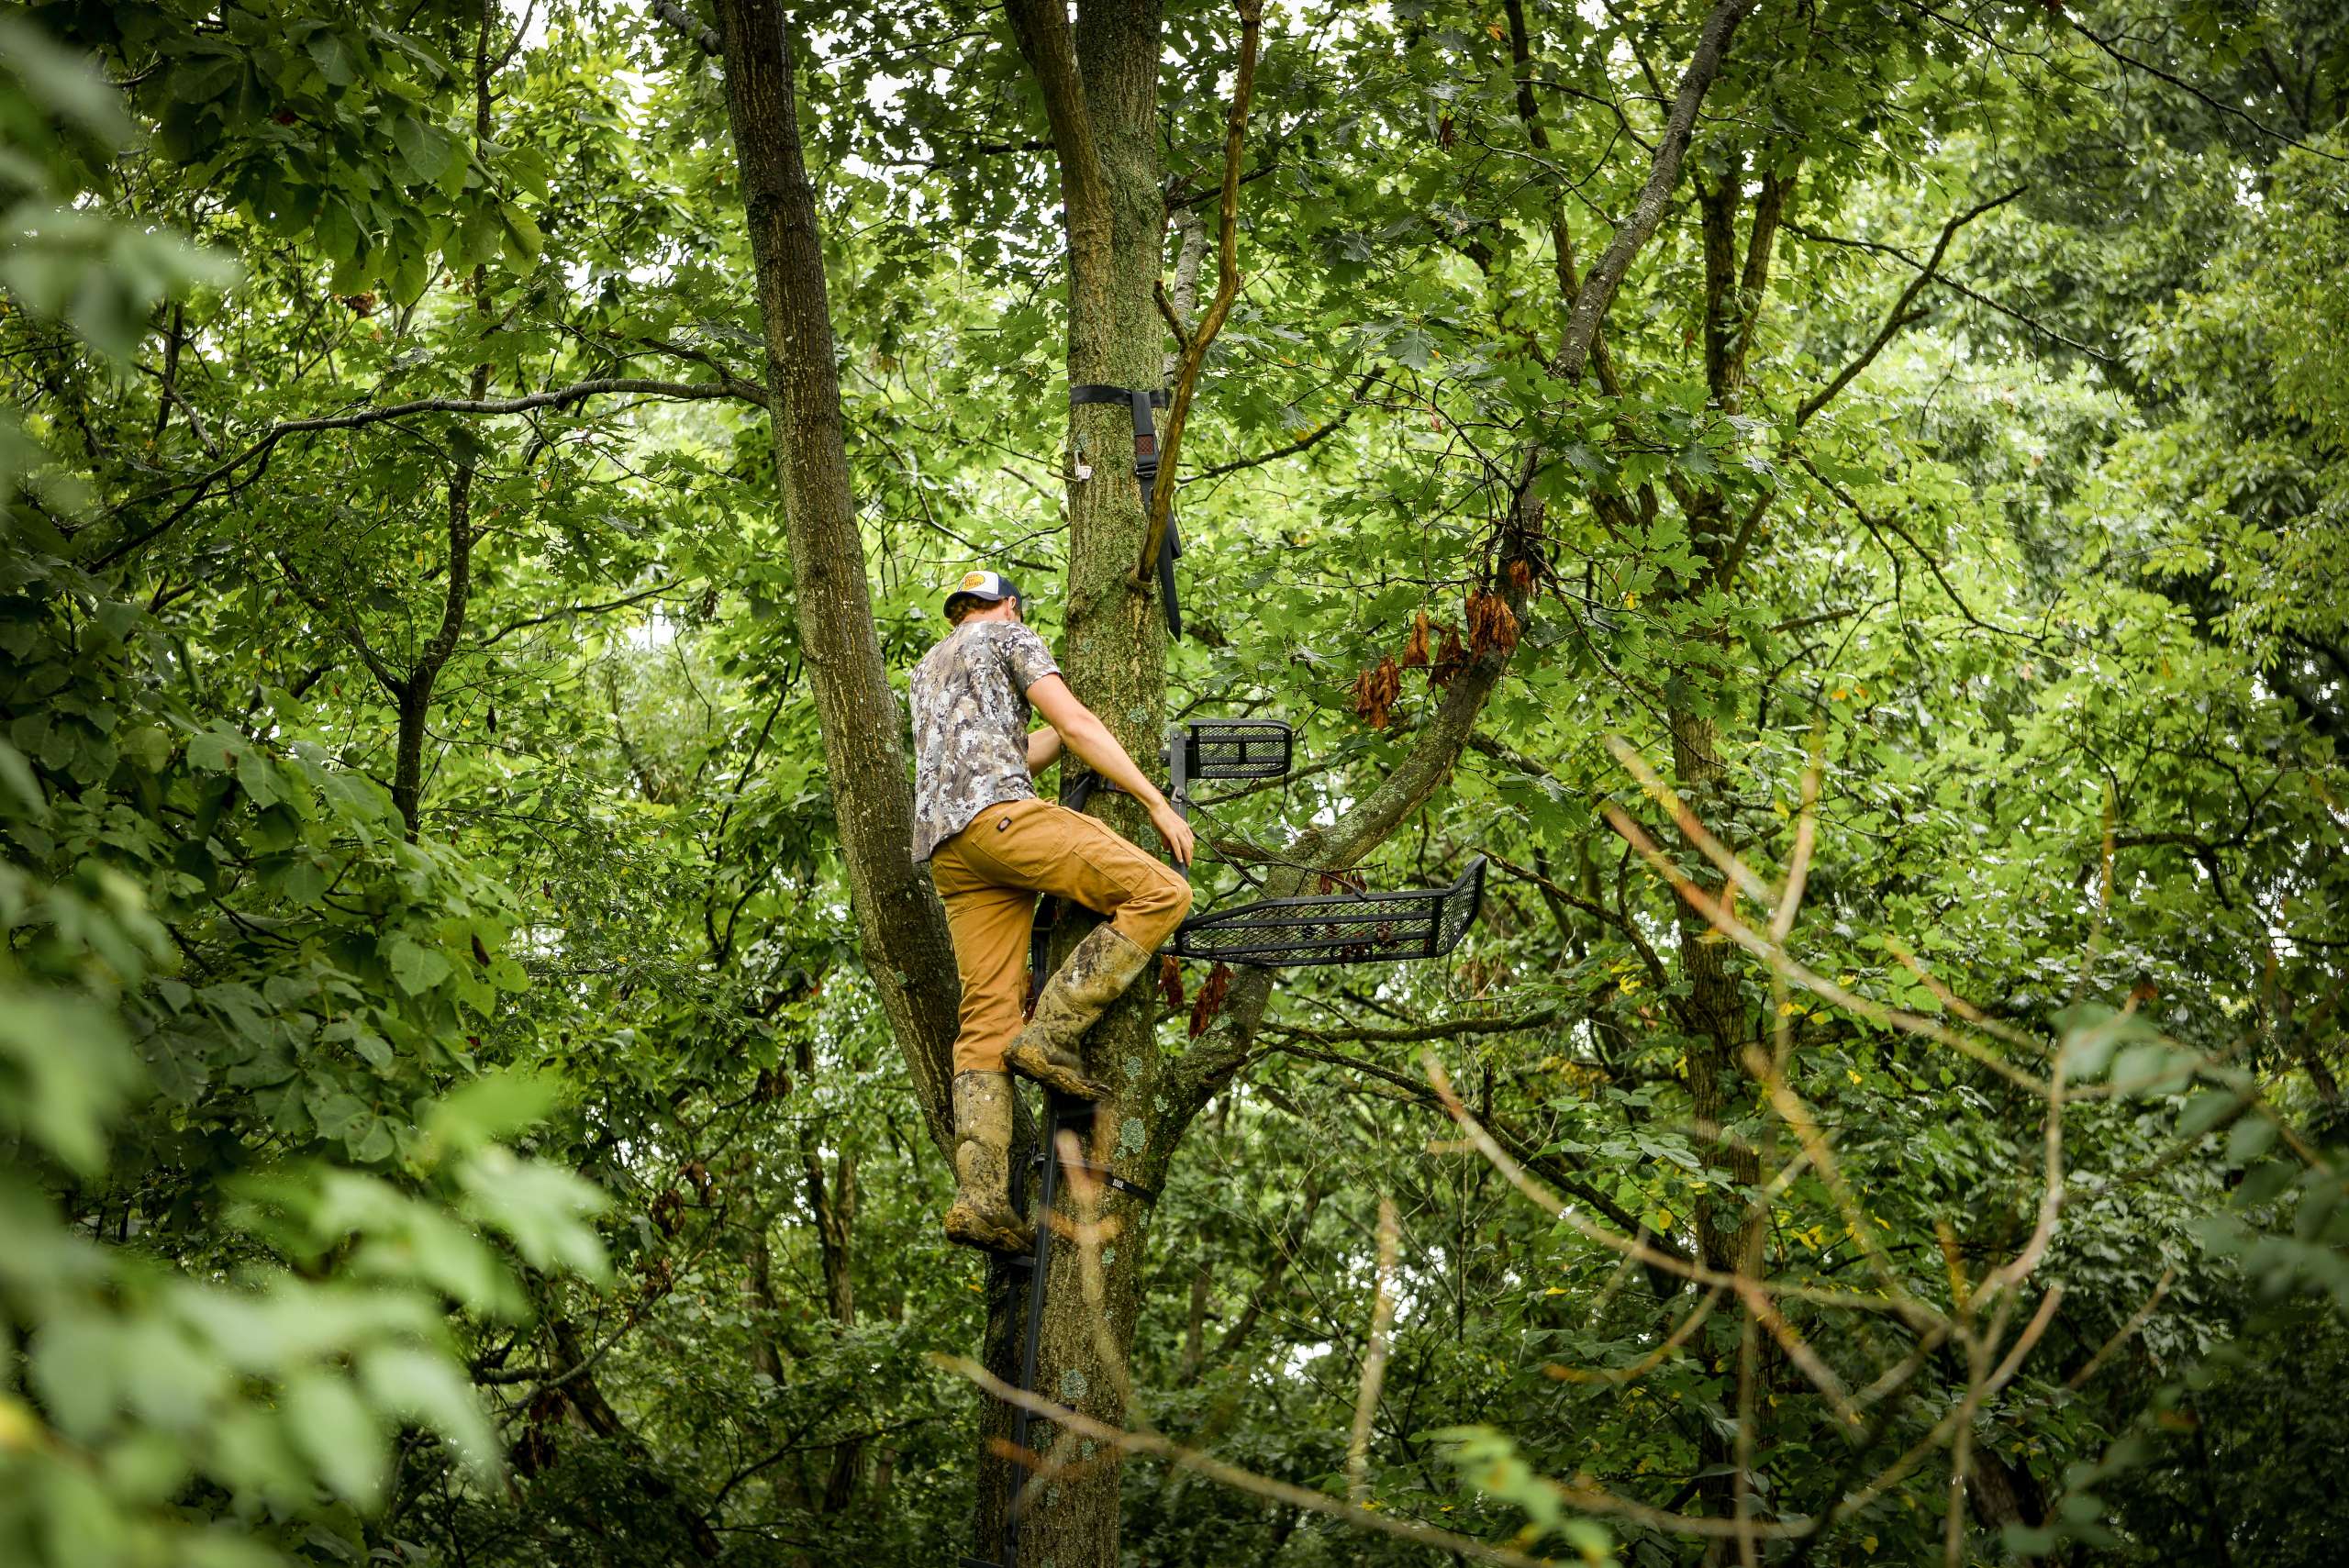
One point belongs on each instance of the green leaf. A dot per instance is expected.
(2252, 1137)
(523, 241)
(336, 1112)
(372, 1146)
(63, 82)
(494, 1106)
(17, 776)
(215, 751)
(207, 76)
(417, 968)
(2205, 1111)
(333, 1429)
(428, 1390)
(540, 1207)
(75, 1363)
(426, 148)
(2027, 1542)
(64, 1068)
(337, 231)
(334, 58)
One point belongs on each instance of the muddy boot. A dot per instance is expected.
(983, 1214)
(1096, 974)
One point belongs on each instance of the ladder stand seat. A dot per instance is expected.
(1233, 749)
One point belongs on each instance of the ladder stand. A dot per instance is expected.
(1347, 927)
(1062, 1113)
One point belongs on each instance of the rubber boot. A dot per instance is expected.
(1096, 974)
(982, 1215)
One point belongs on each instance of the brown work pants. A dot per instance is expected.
(989, 875)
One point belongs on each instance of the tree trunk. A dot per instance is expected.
(1100, 84)
(1715, 1012)
(900, 924)
(414, 696)
(833, 1199)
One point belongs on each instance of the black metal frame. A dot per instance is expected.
(1233, 749)
(1337, 928)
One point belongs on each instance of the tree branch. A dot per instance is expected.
(975, 150)
(1450, 1029)
(1818, 237)
(1872, 524)
(2188, 87)
(569, 610)
(1649, 960)
(1664, 172)
(1517, 1147)
(677, 17)
(1217, 1054)
(1305, 442)
(558, 397)
(1899, 316)
(1227, 289)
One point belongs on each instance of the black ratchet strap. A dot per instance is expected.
(1104, 1175)
(1146, 472)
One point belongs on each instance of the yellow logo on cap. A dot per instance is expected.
(975, 579)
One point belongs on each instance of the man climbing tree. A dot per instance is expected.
(993, 846)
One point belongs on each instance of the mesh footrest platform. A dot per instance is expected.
(1337, 928)
(1236, 749)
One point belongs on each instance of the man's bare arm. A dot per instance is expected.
(1091, 741)
(1043, 749)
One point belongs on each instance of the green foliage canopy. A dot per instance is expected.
(445, 1113)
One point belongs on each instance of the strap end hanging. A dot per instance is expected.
(1168, 549)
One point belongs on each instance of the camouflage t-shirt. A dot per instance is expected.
(969, 702)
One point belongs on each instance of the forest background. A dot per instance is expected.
(1843, 502)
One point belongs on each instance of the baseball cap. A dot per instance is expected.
(985, 586)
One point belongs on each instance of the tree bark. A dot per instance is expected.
(831, 1201)
(1099, 78)
(900, 924)
(414, 696)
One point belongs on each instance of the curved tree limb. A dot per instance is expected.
(557, 397)
(1305, 442)
(1227, 288)
(2183, 85)
(1820, 236)
(1664, 172)
(704, 37)
(1900, 314)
